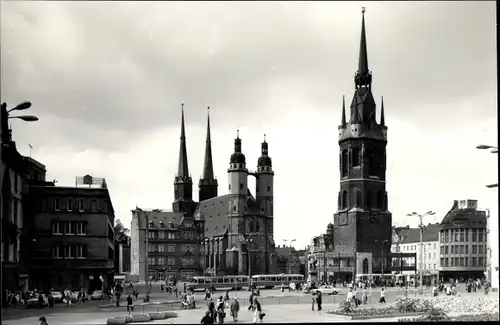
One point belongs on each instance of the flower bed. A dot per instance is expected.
(464, 304)
(462, 318)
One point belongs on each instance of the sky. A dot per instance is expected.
(107, 80)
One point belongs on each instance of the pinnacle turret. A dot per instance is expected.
(183, 169)
(363, 76)
(382, 114)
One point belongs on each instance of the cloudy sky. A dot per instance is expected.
(107, 80)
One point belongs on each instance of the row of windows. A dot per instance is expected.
(372, 199)
(170, 260)
(428, 266)
(152, 248)
(413, 248)
(188, 235)
(463, 261)
(69, 228)
(80, 205)
(462, 235)
(463, 249)
(375, 164)
(69, 251)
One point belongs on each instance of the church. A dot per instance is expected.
(219, 235)
(359, 240)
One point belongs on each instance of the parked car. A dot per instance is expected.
(57, 295)
(96, 295)
(33, 301)
(326, 290)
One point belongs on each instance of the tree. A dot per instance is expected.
(121, 233)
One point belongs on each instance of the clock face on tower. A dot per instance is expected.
(343, 219)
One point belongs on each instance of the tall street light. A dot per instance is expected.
(421, 226)
(290, 259)
(493, 150)
(383, 257)
(146, 254)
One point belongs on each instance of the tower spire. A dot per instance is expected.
(363, 75)
(382, 116)
(183, 170)
(208, 167)
(343, 111)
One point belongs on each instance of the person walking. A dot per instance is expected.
(257, 314)
(207, 319)
(313, 298)
(319, 300)
(50, 298)
(211, 309)
(220, 310)
(207, 293)
(226, 299)
(251, 299)
(382, 296)
(130, 303)
(235, 308)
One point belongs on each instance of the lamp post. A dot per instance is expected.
(421, 226)
(4, 138)
(290, 259)
(493, 150)
(383, 258)
(248, 242)
(146, 254)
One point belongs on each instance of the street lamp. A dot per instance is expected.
(248, 242)
(290, 259)
(146, 255)
(493, 150)
(383, 258)
(421, 226)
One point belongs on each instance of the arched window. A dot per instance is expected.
(345, 162)
(365, 266)
(344, 200)
(356, 159)
(368, 200)
(257, 226)
(380, 200)
(358, 198)
(251, 226)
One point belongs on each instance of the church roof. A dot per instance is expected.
(161, 219)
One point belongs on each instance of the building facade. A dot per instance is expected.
(287, 260)
(493, 245)
(122, 257)
(463, 242)
(228, 234)
(12, 170)
(426, 258)
(362, 223)
(72, 236)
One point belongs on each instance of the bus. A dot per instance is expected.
(388, 279)
(228, 282)
(269, 281)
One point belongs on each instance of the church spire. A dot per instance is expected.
(183, 170)
(363, 76)
(382, 116)
(343, 111)
(208, 168)
(208, 184)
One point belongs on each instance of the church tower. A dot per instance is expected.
(208, 184)
(363, 221)
(238, 189)
(264, 197)
(183, 184)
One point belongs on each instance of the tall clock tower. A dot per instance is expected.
(362, 223)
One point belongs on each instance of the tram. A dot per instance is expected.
(269, 281)
(228, 282)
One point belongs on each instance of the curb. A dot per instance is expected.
(364, 317)
(151, 303)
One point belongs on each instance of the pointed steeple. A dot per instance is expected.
(183, 169)
(382, 115)
(343, 112)
(208, 168)
(264, 159)
(363, 75)
(208, 184)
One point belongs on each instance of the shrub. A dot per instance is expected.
(346, 307)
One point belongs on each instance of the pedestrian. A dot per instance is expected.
(382, 296)
(207, 319)
(162, 287)
(235, 308)
(251, 299)
(211, 309)
(40, 300)
(226, 299)
(130, 303)
(434, 291)
(314, 297)
(50, 298)
(349, 297)
(319, 300)
(193, 300)
(365, 296)
(258, 314)
(43, 321)
(207, 294)
(220, 310)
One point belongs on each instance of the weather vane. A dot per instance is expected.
(363, 9)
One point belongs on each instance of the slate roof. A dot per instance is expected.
(412, 235)
(160, 219)
(463, 218)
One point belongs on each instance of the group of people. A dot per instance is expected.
(216, 310)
